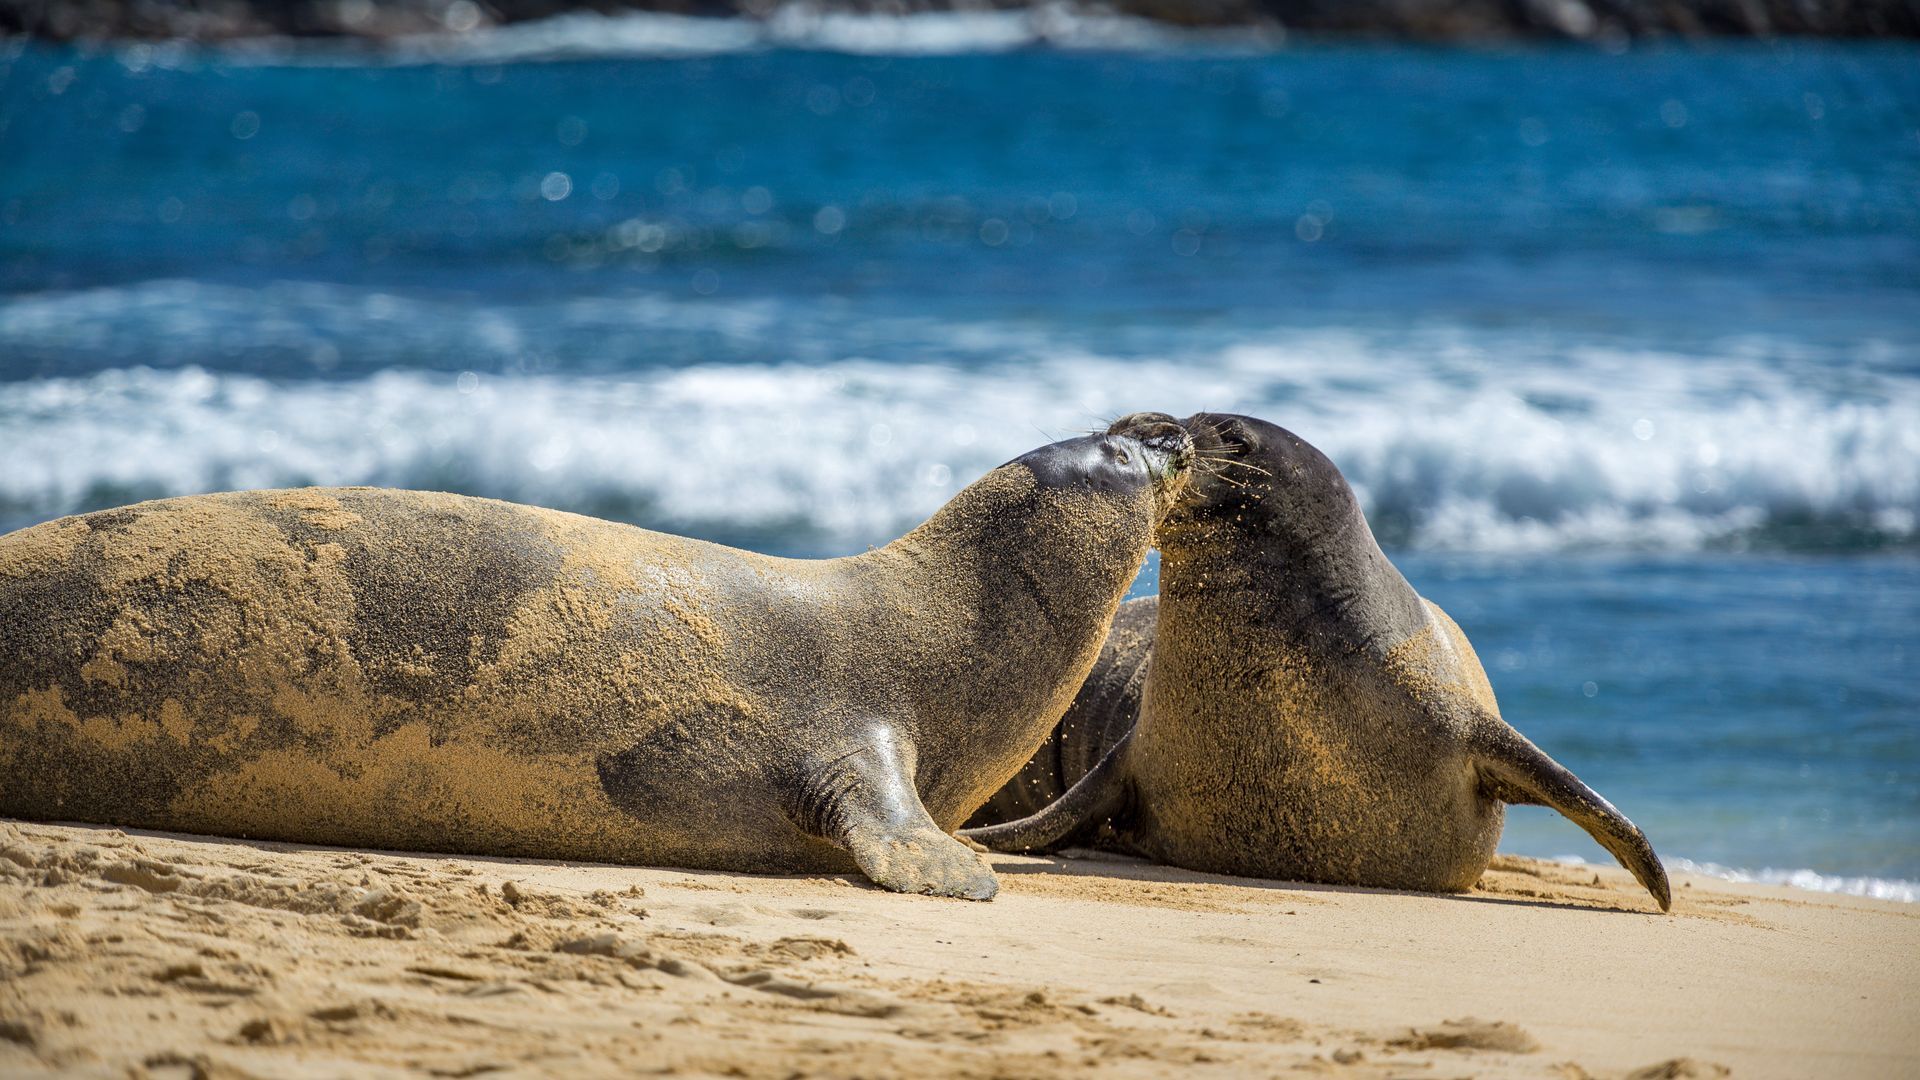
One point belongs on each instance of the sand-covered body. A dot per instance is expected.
(424, 671)
(1367, 771)
(1289, 706)
(1352, 777)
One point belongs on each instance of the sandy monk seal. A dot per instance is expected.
(422, 671)
(1288, 707)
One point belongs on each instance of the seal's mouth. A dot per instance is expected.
(1207, 442)
(1207, 431)
(1169, 447)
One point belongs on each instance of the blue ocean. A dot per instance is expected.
(1621, 349)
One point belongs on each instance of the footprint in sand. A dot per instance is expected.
(1468, 1034)
(1682, 1068)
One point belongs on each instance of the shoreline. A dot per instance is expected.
(144, 949)
(1800, 879)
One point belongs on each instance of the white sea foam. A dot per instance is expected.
(1897, 889)
(581, 35)
(1453, 438)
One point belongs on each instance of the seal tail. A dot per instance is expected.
(1514, 770)
(1099, 795)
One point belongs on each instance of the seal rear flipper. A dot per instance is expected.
(1513, 770)
(1100, 795)
(863, 800)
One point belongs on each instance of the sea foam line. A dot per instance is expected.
(1900, 890)
(854, 451)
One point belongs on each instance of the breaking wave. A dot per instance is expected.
(672, 414)
(584, 35)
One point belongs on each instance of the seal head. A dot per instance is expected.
(1154, 460)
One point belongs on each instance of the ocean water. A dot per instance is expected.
(1621, 351)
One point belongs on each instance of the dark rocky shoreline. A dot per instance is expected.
(1421, 20)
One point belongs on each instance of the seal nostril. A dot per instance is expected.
(1169, 440)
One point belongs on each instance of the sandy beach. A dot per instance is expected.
(130, 951)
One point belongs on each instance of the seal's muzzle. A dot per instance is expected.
(1169, 447)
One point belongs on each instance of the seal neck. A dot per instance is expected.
(1257, 571)
(1068, 554)
(995, 609)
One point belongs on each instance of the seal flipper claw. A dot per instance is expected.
(1514, 770)
(864, 800)
(1099, 795)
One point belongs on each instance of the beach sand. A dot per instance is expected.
(129, 951)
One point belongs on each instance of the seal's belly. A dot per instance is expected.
(1434, 836)
(1322, 791)
(372, 668)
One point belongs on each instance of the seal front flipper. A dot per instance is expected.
(1514, 770)
(862, 798)
(1099, 796)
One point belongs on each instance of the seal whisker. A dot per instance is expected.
(1206, 466)
(1244, 465)
(1212, 466)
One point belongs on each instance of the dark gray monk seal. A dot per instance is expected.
(1289, 707)
(432, 672)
